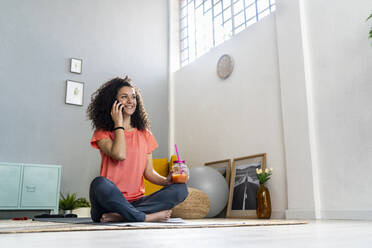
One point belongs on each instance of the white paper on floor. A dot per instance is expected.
(178, 222)
(164, 223)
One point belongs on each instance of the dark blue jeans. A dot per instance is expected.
(105, 197)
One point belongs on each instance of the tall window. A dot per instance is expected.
(207, 23)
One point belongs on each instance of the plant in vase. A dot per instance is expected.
(263, 210)
(69, 203)
(82, 207)
(82, 203)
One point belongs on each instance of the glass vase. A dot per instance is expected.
(263, 202)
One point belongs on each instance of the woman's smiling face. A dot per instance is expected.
(127, 97)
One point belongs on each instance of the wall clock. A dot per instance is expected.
(225, 66)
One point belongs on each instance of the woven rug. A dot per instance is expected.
(84, 224)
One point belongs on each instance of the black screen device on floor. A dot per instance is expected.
(55, 216)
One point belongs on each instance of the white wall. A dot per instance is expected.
(302, 190)
(300, 92)
(326, 107)
(340, 64)
(219, 119)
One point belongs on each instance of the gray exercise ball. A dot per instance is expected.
(211, 182)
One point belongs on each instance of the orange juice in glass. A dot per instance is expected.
(180, 172)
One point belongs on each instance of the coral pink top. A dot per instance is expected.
(127, 174)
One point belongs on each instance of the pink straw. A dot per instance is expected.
(178, 157)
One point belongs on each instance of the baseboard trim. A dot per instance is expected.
(300, 214)
(277, 214)
(346, 215)
(328, 214)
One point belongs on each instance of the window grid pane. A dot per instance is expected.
(198, 3)
(205, 24)
(227, 14)
(217, 8)
(226, 3)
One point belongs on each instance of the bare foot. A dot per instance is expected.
(111, 217)
(159, 216)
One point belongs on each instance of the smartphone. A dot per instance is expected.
(118, 103)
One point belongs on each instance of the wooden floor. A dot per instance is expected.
(350, 234)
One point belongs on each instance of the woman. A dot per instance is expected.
(125, 143)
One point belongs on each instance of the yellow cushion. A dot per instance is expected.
(173, 158)
(161, 166)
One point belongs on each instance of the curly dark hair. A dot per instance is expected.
(102, 100)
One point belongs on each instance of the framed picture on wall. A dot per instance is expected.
(223, 167)
(74, 92)
(244, 185)
(76, 65)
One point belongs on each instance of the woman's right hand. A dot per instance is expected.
(169, 178)
(117, 113)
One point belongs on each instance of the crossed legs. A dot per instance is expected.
(109, 204)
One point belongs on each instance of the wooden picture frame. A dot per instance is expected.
(223, 167)
(243, 186)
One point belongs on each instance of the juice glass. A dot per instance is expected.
(180, 172)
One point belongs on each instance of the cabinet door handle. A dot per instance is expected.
(30, 188)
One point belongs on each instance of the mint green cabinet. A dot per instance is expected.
(29, 186)
(10, 178)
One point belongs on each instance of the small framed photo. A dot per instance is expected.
(223, 167)
(74, 92)
(244, 185)
(76, 65)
